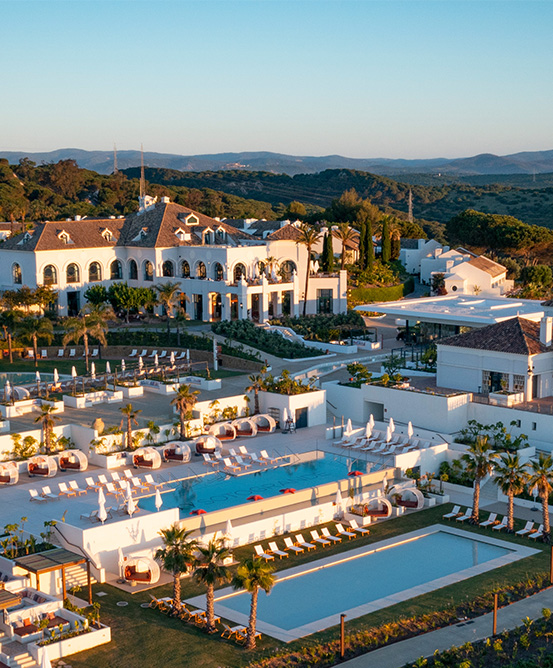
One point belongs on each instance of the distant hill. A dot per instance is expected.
(265, 161)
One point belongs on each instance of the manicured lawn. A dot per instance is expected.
(144, 637)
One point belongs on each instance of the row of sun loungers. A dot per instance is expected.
(162, 355)
(497, 525)
(378, 445)
(236, 462)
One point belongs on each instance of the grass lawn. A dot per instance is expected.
(144, 637)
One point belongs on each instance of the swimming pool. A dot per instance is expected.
(24, 378)
(217, 490)
(310, 598)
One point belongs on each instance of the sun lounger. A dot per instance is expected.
(102, 480)
(78, 490)
(317, 539)
(47, 494)
(115, 476)
(128, 474)
(301, 542)
(229, 467)
(353, 525)
(61, 352)
(342, 532)
(237, 633)
(465, 516)
(30, 353)
(273, 548)
(255, 459)
(244, 452)
(528, 528)
(264, 456)
(180, 356)
(91, 484)
(492, 519)
(35, 496)
(134, 353)
(326, 534)
(64, 491)
(288, 545)
(137, 485)
(44, 354)
(162, 354)
(112, 489)
(95, 352)
(448, 516)
(208, 461)
(143, 353)
(501, 525)
(241, 462)
(537, 534)
(264, 555)
(72, 352)
(152, 354)
(93, 515)
(150, 482)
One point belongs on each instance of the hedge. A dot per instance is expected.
(385, 294)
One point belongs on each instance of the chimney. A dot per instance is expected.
(546, 326)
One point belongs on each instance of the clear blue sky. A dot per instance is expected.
(361, 78)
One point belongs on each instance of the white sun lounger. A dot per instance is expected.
(115, 476)
(149, 480)
(208, 461)
(102, 480)
(152, 354)
(162, 354)
(241, 462)
(317, 539)
(95, 352)
(128, 474)
(78, 490)
(537, 534)
(134, 353)
(301, 542)
(353, 525)
(270, 460)
(466, 516)
(44, 354)
(326, 533)
(229, 467)
(61, 352)
(501, 525)
(112, 489)
(528, 528)
(342, 532)
(91, 484)
(143, 353)
(138, 486)
(65, 491)
(264, 555)
(289, 545)
(47, 494)
(256, 460)
(35, 496)
(448, 516)
(72, 352)
(273, 547)
(492, 519)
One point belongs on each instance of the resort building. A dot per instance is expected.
(414, 251)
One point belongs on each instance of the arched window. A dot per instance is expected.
(16, 274)
(239, 271)
(184, 269)
(287, 270)
(217, 271)
(168, 269)
(133, 270)
(148, 271)
(200, 270)
(72, 273)
(116, 270)
(94, 272)
(50, 275)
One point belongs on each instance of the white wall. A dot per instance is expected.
(314, 401)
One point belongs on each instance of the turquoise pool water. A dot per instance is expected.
(346, 584)
(217, 490)
(24, 378)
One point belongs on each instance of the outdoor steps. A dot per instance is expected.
(75, 576)
(18, 657)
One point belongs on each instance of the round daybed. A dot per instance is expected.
(245, 428)
(141, 570)
(146, 458)
(207, 445)
(264, 423)
(9, 473)
(176, 452)
(377, 508)
(224, 431)
(73, 460)
(409, 497)
(42, 465)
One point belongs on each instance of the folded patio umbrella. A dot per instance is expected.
(349, 426)
(37, 376)
(368, 430)
(73, 372)
(131, 503)
(172, 358)
(338, 500)
(108, 367)
(93, 371)
(410, 429)
(228, 531)
(392, 425)
(123, 365)
(388, 434)
(159, 500)
(156, 360)
(140, 363)
(45, 660)
(56, 377)
(371, 421)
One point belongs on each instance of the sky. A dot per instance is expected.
(361, 78)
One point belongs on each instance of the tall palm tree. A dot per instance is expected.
(184, 400)
(33, 328)
(168, 294)
(153, 431)
(309, 237)
(47, 420)
(479, 459)
(129, 418)
(176, 556)
(257, 382)
(8, 322)
(252, 575)
(92, 321)
(210, 571)
(511, 477)
(345, 233)
(541, 476)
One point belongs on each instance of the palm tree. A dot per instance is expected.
(511, 477)
(91, 321)
(129, 417)
(168, 294)
(153, 431)
(345, 233)
(541, 476)
(257, 382)
(8, 322)
(33, 328)
(252, 575)
(479, 460)
(309, 237)
(184, 400)
(47, 419)
(176, 556)
(210, 571)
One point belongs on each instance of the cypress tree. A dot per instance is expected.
(329, 252)
(362, 252)
(369, 248)
(385, 243)
(396, 246)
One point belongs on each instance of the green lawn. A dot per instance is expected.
(143, 637)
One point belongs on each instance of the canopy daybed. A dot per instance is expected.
(142, 570)
(245, 428)
(224, 431)
(73, 460)
(407, 497)
(377, 507)
(176, 452)
(264, 423)
(147, 458)
(207, 445)
(42, 465)
(9, 473)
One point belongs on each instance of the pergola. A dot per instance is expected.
(57, 559)
(8, 598)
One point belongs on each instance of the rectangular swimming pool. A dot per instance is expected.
(310, 598)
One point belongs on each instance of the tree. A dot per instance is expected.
(309, 237)
(252, 575)
(345, 234)
(129, 418)
(540, 274)
(257, 382)
(96, 294)
(210, 571)
(44, 296)
(92, 321)
(153, 431)
(296, 210)
(176, 556)
(184, 401)
(8, 322)
(168, 294)
(385, 246)
(32, 328)
(123, 298)
(541, 476)
(438, 284)
(396, 245)
(47, 420)
(479, 460)
(511, 477)
(327, 256)
(369, 247)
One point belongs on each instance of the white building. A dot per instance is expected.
(479, 276)
(352, 245)
(413, 251)
(440, 261)
(223, 271)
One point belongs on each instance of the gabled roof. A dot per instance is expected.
(492, 268)
(49, 236)
(517, 336)
(286, 233)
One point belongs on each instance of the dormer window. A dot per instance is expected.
(190, 219)
(108, 235)
(64, 237)
(142, 234)
(182, 235)
(220, 235)
(207, 237)
(26, 238)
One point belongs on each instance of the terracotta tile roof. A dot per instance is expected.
(67, 234)
(286, 233)
(516, 336)
(487, 265)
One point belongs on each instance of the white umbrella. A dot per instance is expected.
(410, 429)
(7, 389)
(108, 367)
(388, 434)
(172, 358)
(93, 371)
(159, 500)
(140, 363)
(37, 376)
(131, 504)
(228, 531)
(73, 372)
(371, 421)
(338, 501)
(284, 415)
(101, 496)
(121, 560)
(368, 430)
(56, 377)
(188, 354)
(349, 427)
(45, 660)
(123, 365)
(102, 512)
(392, 425)
(156, 360)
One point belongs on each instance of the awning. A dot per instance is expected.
(8, 598)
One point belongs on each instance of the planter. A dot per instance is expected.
(58, 650)
(112, 461)
(28, 406)
(438, 498)
(92, 398)
(158, 387)
(129, 392)
(505, 399)
(361, 521)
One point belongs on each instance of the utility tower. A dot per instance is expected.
(115, 170)
(142, 179)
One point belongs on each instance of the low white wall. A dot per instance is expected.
(290, 335)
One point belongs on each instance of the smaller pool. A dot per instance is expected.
(24, 378)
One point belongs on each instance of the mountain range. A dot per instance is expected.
(528, 162)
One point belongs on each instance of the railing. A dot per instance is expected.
(544, 409)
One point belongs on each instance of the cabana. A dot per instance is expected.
(42, 465)
(73, 460)
(176, 452)
(207, 445)
(407, 497)
(377, 508)
(245, 428)
(265, 423)
(9, 473)
(142, 570)
(146, 458)
(224, 431)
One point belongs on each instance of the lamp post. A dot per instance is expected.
(342, 636)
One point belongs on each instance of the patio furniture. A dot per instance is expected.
(317, 539)
(65, 491)
(35, 496)
(44, 354)
(537, 534)
(224, 431)
(141, 570)
(501, 525)
(229, 467)
(78, 490)
(300, 541)
(146, 458)
(456, 510)
(256, 460)
(102, 480)
(245, 428)
(90, 484)
(30, 354)
(95, 352)
(208, 461)
(134, 353)
(353, 525)
(73, 460)
(275, 550)
(289, 545)
(150, 482)
(177, 452)
(465, 516)
(264, 423)
(492, 519)
(162, 354)
(265, 457)
(528, 528)
(241, 462)
(72, 352)
(264, 555)
(342, 532)
(42, 465)
(61, 352)
(209, 444)
(112, 489)
(137, 484)
(47, 494)
(9, 473)
(326, 534)
(115, 476)
(152, 354)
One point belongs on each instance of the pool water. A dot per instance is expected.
(24, 378)
(346, 584)
(217, 490)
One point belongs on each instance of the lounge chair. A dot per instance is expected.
(264, 555)
(256, 460)
(61, 352)
(317, 539)
(152, 354)
(44, 354)
(72, 352)
(30, 353)
(273, 548)
(241, 462)
(244, 452)
(95, 352)
(229, 467)
(122, 509)
(115, 476)
(465, 516)
(501, 525)
(112, 489)
(353, 525)
(180, 356)
(528, 528)
(326, 534)
(134, 353)
(128, 474)
(47, 494)
(342, 532)
(102, 480)
(162, 355)
(264, 456)
(138, 486)
(65, 491)
(91, 484)
(302, 543)
(454, 513)
(537, 534)
(143, 353)
(235, 633)
(492, 519)
(93, 514)
(208, 461)
(78, 490)
(150, 482)
(35, 496)
(288, 545)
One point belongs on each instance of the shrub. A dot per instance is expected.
(270, 342)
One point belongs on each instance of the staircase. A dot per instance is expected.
(17, 655)
(75, 576)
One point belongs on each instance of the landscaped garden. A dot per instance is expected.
(325, 328)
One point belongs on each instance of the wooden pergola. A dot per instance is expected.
(8, 598)
(57, 559)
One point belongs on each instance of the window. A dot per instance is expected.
(50, 275)
(72, 273)
(16, 274)
(184, 269)
(95, 272)
(534, 426)
(200, 270)
(287, 270)
(116, 270)
(517, 423)
(168, 269)
(324, 301)
(133, 270)
(148, 271)
(239, 271)
(217, 271)
(518, 383)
